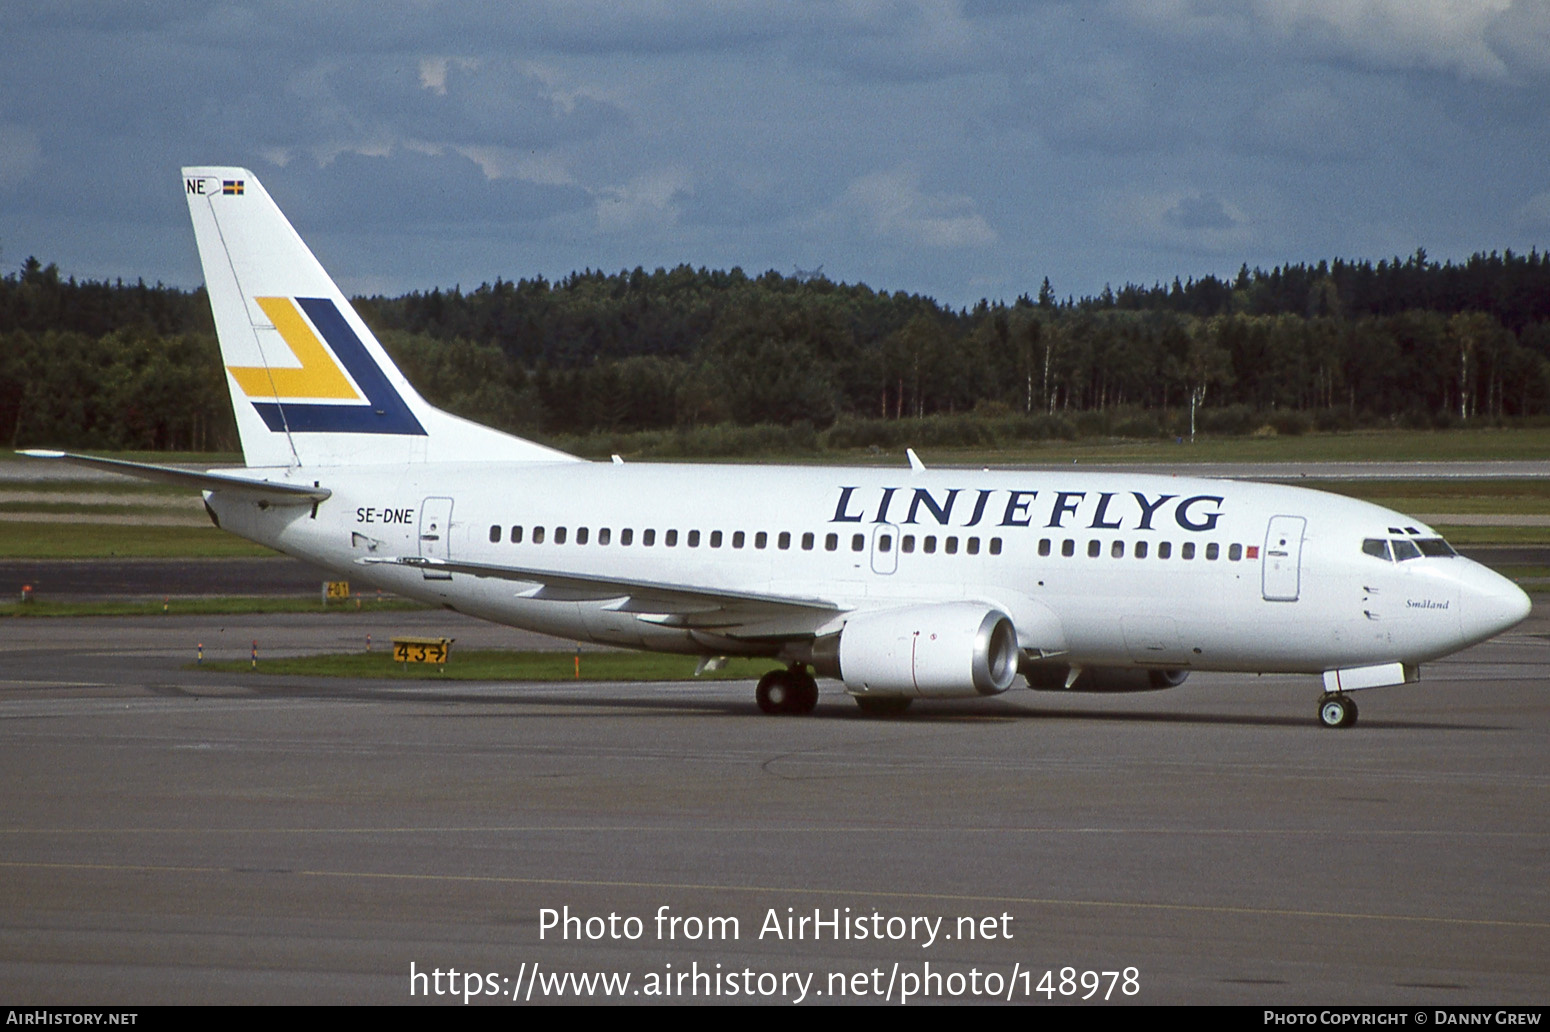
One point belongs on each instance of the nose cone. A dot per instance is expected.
(1490, 604)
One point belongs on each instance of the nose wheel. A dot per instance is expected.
(1337, 711)
(790, 691)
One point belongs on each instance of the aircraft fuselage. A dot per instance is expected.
(1110, 569)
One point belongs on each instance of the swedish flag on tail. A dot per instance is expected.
(310, 384)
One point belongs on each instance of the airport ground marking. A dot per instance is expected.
(924, 897)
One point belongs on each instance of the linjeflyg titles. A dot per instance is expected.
(1001, 507)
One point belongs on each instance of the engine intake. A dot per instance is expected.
(944, 650)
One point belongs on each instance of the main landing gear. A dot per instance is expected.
(787, 691)
(1337, 710)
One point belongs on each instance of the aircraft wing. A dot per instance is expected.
(273, 492)
(742, 613)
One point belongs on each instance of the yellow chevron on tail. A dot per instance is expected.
(319, 375)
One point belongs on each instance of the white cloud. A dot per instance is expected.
(433, 71)
(893, 206)
(645, 202)
(1462, 37)
(1445, 35)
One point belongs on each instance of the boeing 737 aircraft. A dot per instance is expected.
(901, 583)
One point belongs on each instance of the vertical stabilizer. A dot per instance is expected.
(310, 384)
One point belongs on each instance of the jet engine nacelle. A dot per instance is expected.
(945, 650)
(1051, 677)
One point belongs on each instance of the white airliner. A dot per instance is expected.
(902, 583)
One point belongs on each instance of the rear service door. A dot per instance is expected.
(435, 533)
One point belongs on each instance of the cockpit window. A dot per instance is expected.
(1435, 547)
(1376, 547)
(1405, 549)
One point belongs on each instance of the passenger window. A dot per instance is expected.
(648, 538)
(1234, 552)
(1140, 549)
(604, 536)
(928, 544)
(1404, 550)
(907, 543)
(831, 542)
(1094, 549)
(784, 540)
(972, 546)
(1213, 550)
(950, 546)
(626, 536)
(670, 539)
(516, 535)
(1117, 550)
(1187, 550)
(761, 539)
(694, 539)
(1068, 548)
(737, 539)
(581, 535)
(884, 543)
(858, 542)
(1164, 549)
(559, 535)
(538, 535)
(715, 539)
(1044, 546)
(807, 541)
(995, 546)
(495, 535)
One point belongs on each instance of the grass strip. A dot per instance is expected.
(496, 665)
(221, 606)
(69, 508)
(63, 540)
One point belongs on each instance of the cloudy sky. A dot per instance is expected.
(962, 149)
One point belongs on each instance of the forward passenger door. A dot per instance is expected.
(1281, 579)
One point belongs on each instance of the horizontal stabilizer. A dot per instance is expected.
(273, 492)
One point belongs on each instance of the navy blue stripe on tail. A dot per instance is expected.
(386, 412)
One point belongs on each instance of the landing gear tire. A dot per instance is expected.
(886, 706)
(774, 692)
(788, 692)
(1337, 711)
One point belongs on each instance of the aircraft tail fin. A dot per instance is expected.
(309, 382)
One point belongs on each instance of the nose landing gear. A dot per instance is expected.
(1337, 710)
(790, 691)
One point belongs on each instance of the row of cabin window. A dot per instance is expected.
(831, 543)
(1141, 549)
(761, 539)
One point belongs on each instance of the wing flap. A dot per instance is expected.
(656, 602)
